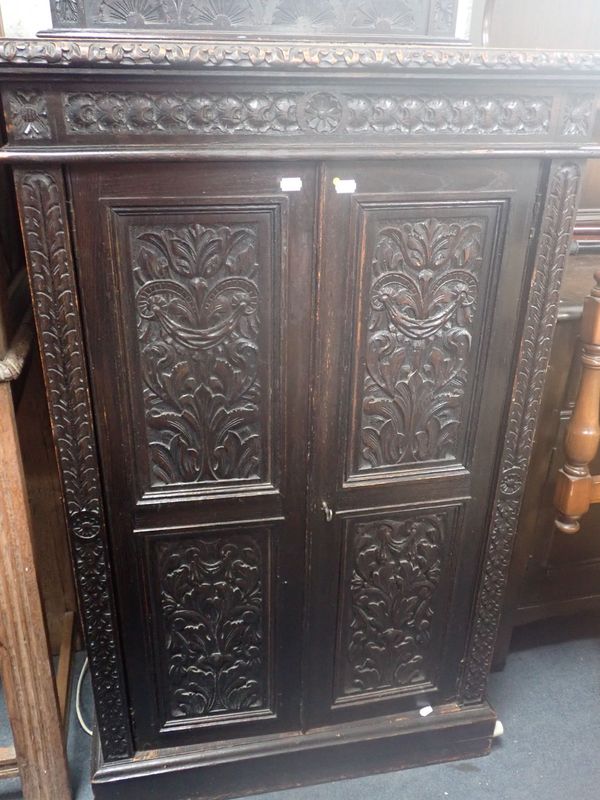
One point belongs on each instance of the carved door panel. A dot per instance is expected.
(418, 306)
(196, 323)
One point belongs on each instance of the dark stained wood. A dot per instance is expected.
(293, 426)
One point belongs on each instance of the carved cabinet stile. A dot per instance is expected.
(295, 303)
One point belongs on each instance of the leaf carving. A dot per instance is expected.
(423, 295)
(197, 296)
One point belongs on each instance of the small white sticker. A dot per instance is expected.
(290, 184)
(347, 186)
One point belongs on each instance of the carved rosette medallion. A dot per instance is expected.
(43, 214)
(197, 294)
(392, 573)
(28, 115)
(542, 310)
(424, 288)
(212, 595)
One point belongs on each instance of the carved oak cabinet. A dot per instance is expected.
(295, 305)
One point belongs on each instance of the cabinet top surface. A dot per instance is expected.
(275, 55)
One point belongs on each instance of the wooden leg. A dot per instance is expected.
(25, 663)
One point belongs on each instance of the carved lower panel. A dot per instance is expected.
(200, 291)
(423, 281)
(392, 573)
(215, 628)
(542, 310)
(43, 215)
(382, 17)
(293, 113)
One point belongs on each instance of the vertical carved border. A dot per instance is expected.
(542, 310)
(43, 217)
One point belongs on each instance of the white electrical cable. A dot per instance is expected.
(82, 722)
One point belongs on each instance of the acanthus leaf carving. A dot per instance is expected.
(43, 213)
(542, 311)
(212, 597)
(394, 566)
(424, 285)
(197, 294)
(133, 53)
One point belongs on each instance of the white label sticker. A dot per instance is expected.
(290, 184)
(347, 186)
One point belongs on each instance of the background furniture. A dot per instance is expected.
(37, 707)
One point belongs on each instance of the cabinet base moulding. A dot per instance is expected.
(260, 764)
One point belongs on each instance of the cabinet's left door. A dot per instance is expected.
(195, 287)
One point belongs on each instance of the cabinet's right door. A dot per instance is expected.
(420, 278)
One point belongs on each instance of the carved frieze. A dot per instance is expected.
(213, 616)
(197, 295)
(295, 17)
(393, 568)
(315, 113)
(542, 310)
(43, 215)
(424, 285)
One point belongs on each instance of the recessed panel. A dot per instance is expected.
(211, 598)
(396, 573)
(205, 308)
(424, 273)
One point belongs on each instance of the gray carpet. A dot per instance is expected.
(548, 698)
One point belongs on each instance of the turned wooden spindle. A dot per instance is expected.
(576, 487)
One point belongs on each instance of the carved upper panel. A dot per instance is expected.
(312, 113)
(198, 288)
(393, 569)
(294, 17)
(423, 279)
(213, 617)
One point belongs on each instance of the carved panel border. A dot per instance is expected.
(541, 314)
(320, 113)
(44, 219)
(298, 55)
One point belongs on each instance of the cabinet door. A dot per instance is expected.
(196, 325)
(420, 279)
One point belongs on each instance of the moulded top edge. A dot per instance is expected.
(297, 55)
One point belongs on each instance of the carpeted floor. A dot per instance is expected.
(548, 698)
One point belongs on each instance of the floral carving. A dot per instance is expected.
(542, 310)
(424, 284)
(213, 617)
(197, 306)
(393, 571)
(43, 212)
(28, 115)
(579, 116)
(250, 56)
(322, 113)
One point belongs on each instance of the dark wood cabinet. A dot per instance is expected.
(296, 305)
